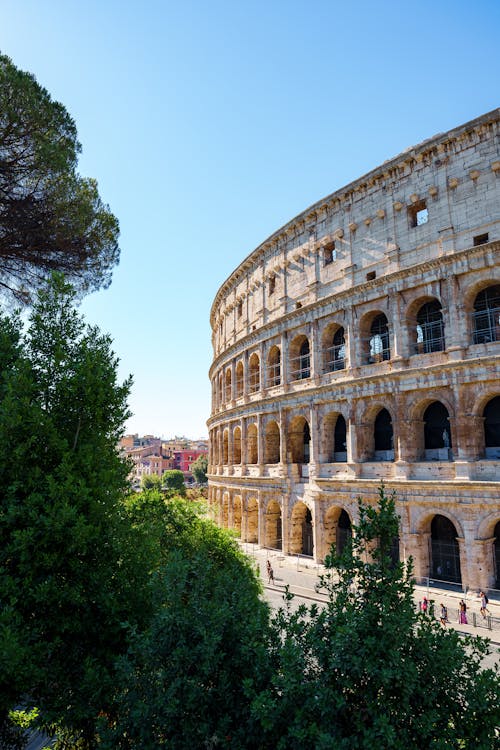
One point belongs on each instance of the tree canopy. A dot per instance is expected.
(51, 218)
(173, 479)
(199, 469)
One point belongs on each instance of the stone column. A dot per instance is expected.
(245, 373)
(318, 542)
(455, 338)
(284, 359)
(244, 449)
(262, 521)
(285, 524)
(233, 380)
(230, 456)
(314, 444)
(480, 564)
(395, 318)
(353, 353)
(315, 363)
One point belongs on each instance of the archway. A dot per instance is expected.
(273, 526)
(225, 447)
(486, 316)
(237, 513)
(430, 328)
(491, 416)
(272, 443)
(335, 351)
(254, 373)
(496, 555)
(301, 531)
(383, 437)
(252, 520)
(252, 444)
(437, 432)
(274, 366)
(228, 393)
(344, 532)
(340, 440)
(378, 345)
(237, 446)
(445, 553)
(299, 441)
(239, 379)
(300, 361)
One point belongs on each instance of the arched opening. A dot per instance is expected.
(274, 366)
(300, 440)
(237, 514)
(378, 345)
(239, 379)
(273, 526)
(237, 446)
(486, 316)
(335, 352)
(300, 361)
(225, 510)
(228, 395)
(445, 554)
(430, 328)
(340, 440)
(272, 444)
(254, 373)
(225, 447)
(491, 416)
(252, 521)
(344, 532)
(384, 437)
(437, 433)
(252, 444)
(301, 531)
(496, 555)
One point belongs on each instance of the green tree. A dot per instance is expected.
(151, 482)
(173, 480)
(199, 469)
(368, 671)
(68, 576)
(51, 218)
(187, 679)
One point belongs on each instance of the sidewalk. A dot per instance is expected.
(301, 575)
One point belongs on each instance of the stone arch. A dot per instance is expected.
(333, 438)
(272, 443)
(237, 514)
(252, 532)
(301, 530)
(383, 436)
(273, 526)
(299, 438)
(237, 445)
(252, 444)
(496, 555)
(437, 432)
(274, 366)
(491, 428)
(429, 328)
(482, 302)
(225, 510)
(239, 378)
(254, 373)
(375, 337)
(228, 393)
(441, 545)
(225, 447)
(333, 344)
(300, 358)
(337, 528)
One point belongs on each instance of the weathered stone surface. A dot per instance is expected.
(298, 344)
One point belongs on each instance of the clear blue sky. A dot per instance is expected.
(210, 124)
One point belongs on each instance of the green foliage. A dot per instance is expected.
(173, 479)
(199, 469)
(368, 671)
(51, 218)
(186, 680)
(68, 573)
(151, 482)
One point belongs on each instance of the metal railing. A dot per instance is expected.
(486, 326)
(335, 358)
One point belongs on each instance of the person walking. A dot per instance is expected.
(424, 605)
(270, 572)
(443, 618)
(484, 604)
(462, 613)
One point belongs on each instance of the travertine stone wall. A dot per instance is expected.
(341, 342)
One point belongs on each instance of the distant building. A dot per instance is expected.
(153, 455)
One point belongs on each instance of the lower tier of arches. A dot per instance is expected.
(452, 536)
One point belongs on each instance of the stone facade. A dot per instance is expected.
(360, 343)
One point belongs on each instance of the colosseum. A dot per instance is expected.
(360, 343)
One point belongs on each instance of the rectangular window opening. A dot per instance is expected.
(240, 309)
(272, 284)
(480, 239)
(371, 275)
(418, 214)
(329, 253)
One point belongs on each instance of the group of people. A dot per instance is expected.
(462, 610)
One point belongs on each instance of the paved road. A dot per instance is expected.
(302, 575)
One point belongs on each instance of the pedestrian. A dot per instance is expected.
(462, 613)
(484, 604)
(270, 572)
(443, 618)
(424, 605)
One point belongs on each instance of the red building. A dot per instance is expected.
(183, 459)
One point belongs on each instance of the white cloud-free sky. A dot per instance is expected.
(209, 124)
